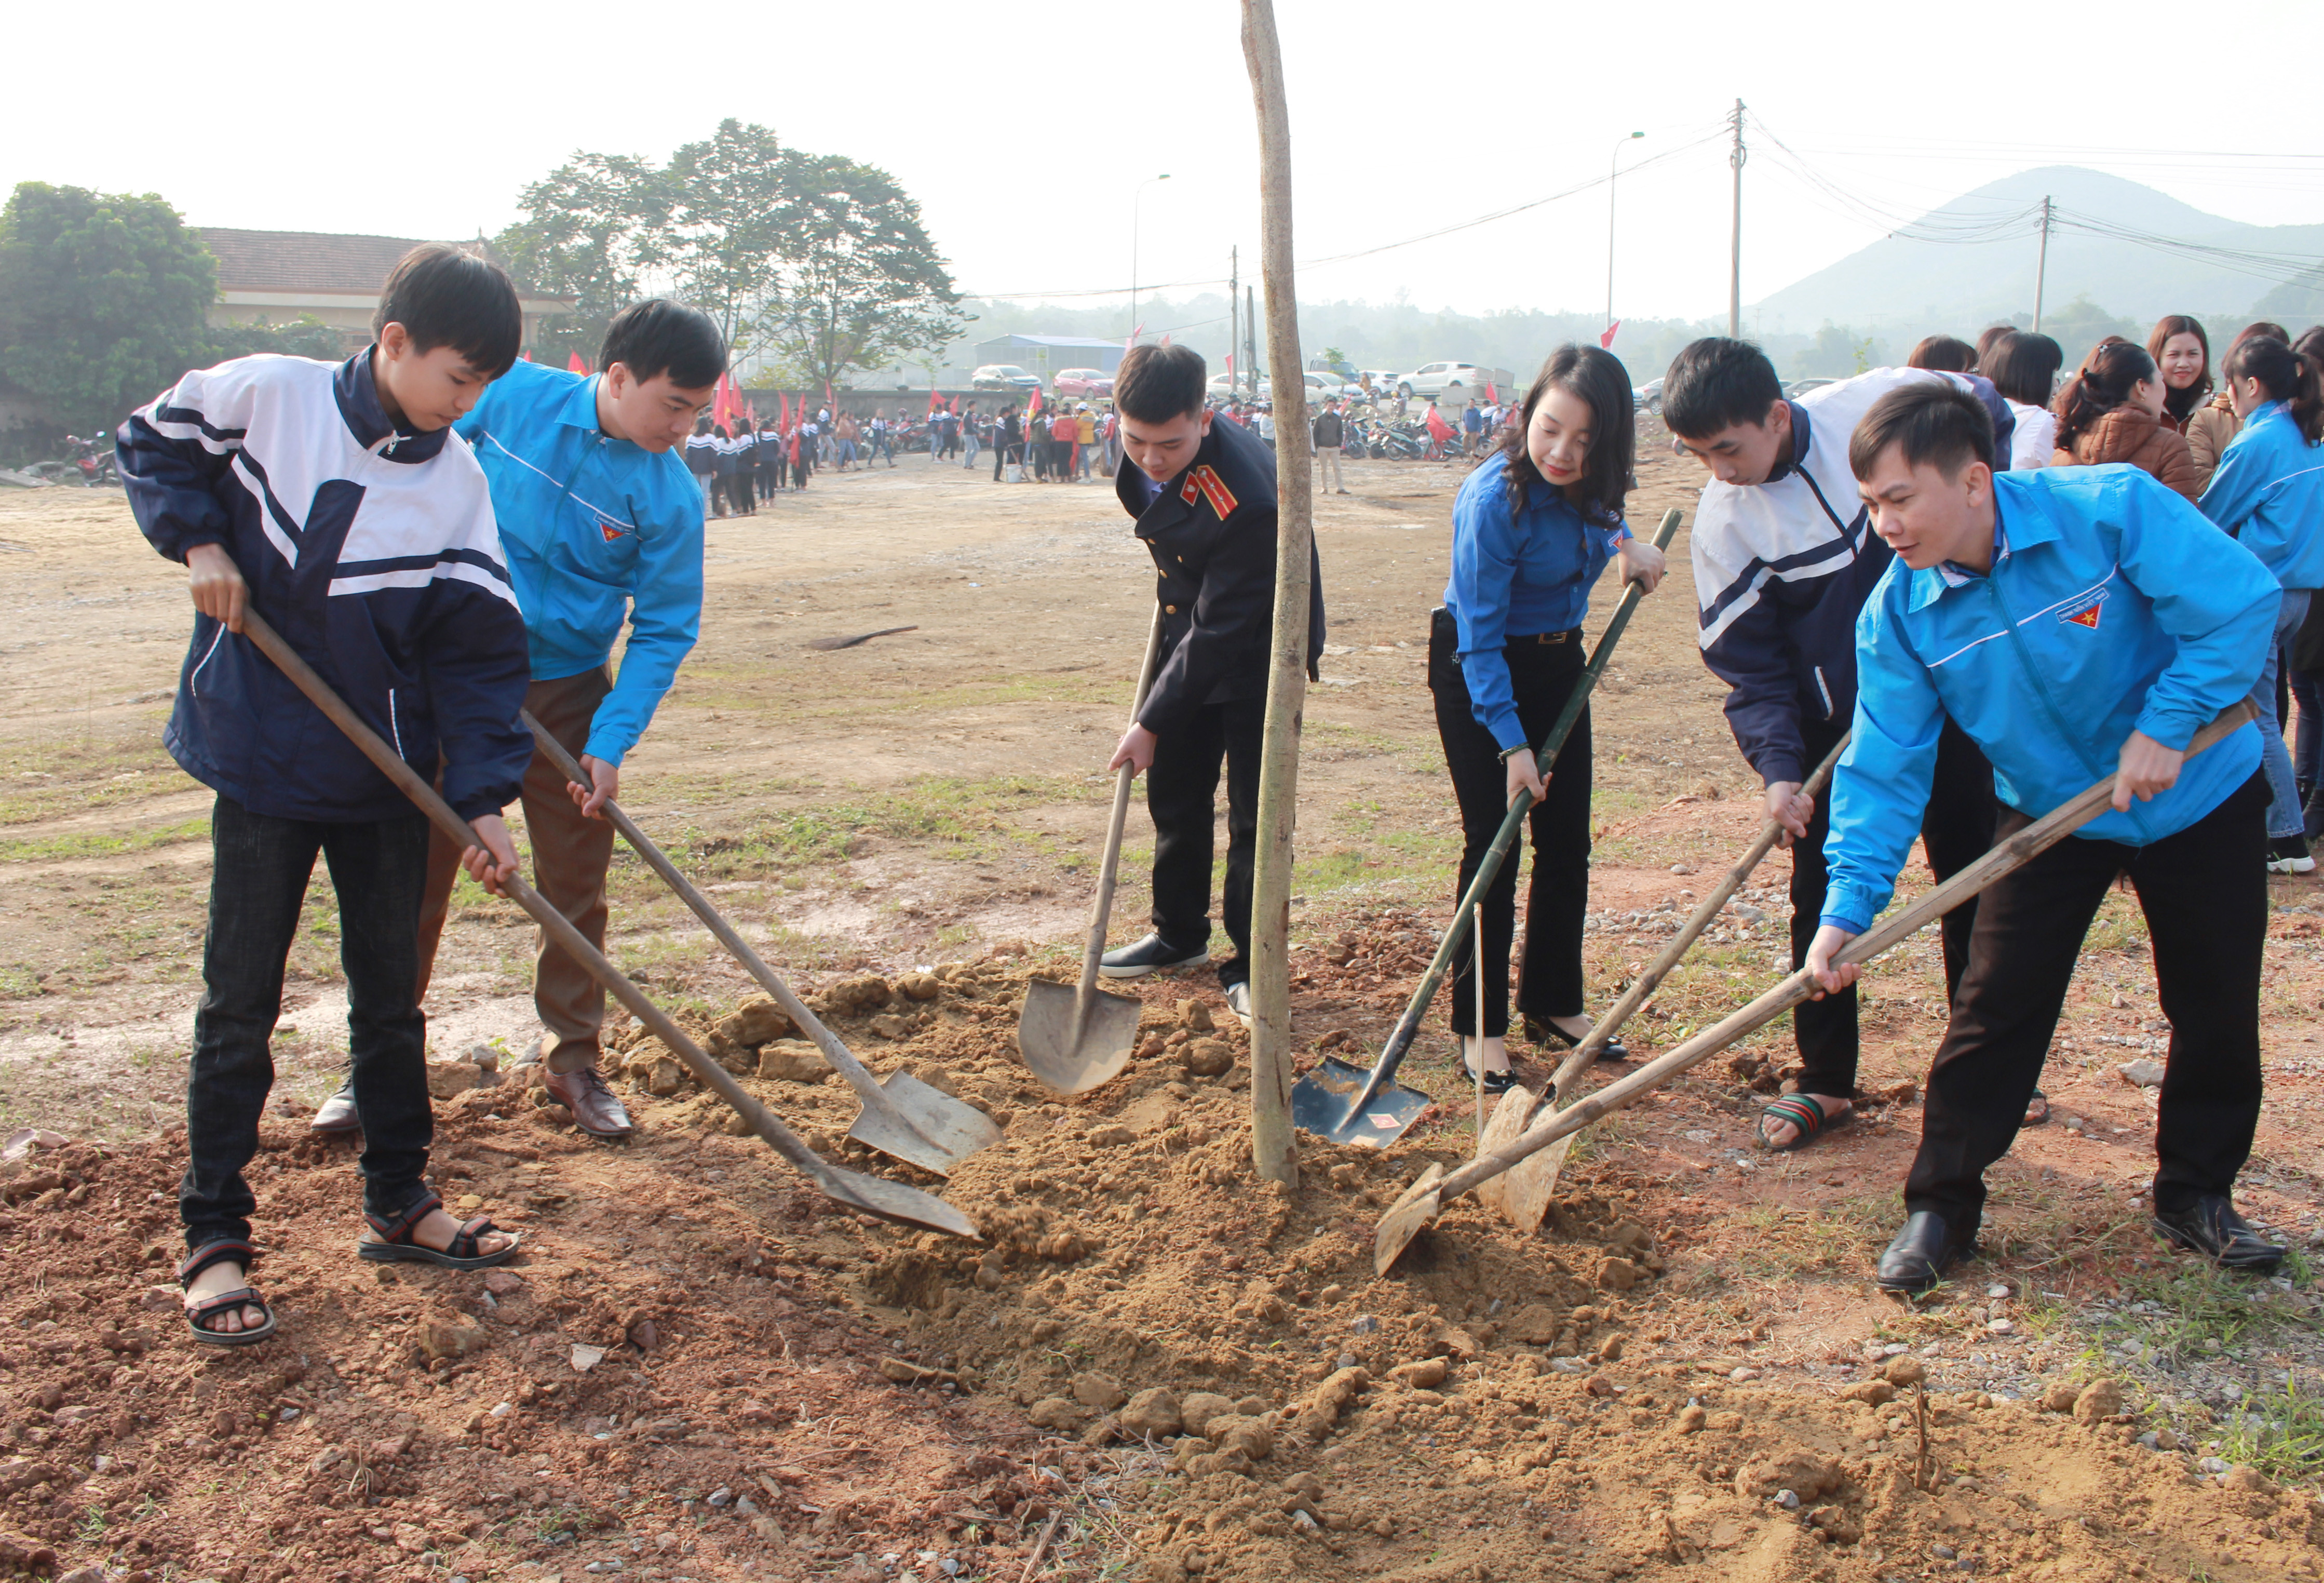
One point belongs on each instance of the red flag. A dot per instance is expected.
(1492, 393)
(1606, 340)
(526, 354)
(935, 401)
(1438, 426)
(574, 364)
(1033, 407)
(1134, 335)
(827, 398)
(1230, 364)
(785, 421)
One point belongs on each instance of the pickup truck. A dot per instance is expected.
(1454, 385)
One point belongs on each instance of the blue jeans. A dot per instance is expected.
(969, 440)
(260, 868)
(2284, 816)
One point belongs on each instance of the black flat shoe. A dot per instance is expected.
(337, 1114)
(1921, 1254)
(1539, 1032)
(1500, 1082)
(2212, 1227)
(1150, 955)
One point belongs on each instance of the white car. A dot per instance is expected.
(1322, 385)
(1235, 387)
(1452, 384)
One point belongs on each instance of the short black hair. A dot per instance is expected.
(443, 296)
(659, 336)
(1716, 383)
(1945, 354)
(1156, 384)
(2024, 368)
(1939, 424)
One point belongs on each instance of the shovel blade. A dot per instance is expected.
(1406, 1219)
(1519, 1194)
(894, 1201)
(1070, 1060)
(936, 1131)
(1319, 1102)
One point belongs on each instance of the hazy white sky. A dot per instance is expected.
(1023, 139)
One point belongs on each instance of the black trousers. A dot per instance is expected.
(260, 869)
(1182, 792)
(1549, 977)
(2204, 892)
(1956, 830)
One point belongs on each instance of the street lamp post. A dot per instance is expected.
(1613, 169)
(1134, 199)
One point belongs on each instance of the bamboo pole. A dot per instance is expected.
(1273, 1147)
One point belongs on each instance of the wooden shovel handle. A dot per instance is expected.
(842, 1059)
(1585, 1054)
(555, 924)
(2004, 858)
(1110, 865)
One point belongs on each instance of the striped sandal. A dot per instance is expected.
(224, 1250)
(394, 1242)
(1806, 1117)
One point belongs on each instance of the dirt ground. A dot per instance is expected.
(884, 1405)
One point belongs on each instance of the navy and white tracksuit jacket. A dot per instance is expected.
(1781, 568)
(373, 552)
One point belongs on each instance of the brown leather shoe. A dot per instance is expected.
(337, 1114)
(594, 1109)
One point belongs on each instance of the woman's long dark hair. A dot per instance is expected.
(2179, 403)
(2099, 385)
(2286, 375)
(2024, 366)
(1598, 378)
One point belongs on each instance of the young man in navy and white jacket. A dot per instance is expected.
(1783, 558)
(336, 502)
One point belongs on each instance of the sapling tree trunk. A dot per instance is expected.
(1274, 1153)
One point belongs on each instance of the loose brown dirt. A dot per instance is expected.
(1626, 1394)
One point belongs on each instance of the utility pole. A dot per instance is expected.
(1234, 312)
(1734, 267)
(1613, 169)
(1251, 337)
(2042, 269)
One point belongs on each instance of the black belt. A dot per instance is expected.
(1568, 635)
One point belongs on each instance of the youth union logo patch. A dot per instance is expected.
(2086, 614)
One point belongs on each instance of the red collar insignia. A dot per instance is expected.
(1206, 482)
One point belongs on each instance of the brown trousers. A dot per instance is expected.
(571, 854)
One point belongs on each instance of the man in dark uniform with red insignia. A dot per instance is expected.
(1203, 495)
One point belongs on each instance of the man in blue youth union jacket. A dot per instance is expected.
(603, 525)
(2077, 623)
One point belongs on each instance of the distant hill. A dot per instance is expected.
(1896, 284)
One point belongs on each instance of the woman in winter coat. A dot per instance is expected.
(2111, 411)
(2269, 493)
(2183, 352)
(2211, 426)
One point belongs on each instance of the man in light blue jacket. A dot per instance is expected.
(2077, 623)
(602, 527)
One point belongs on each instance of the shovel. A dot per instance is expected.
(1349, 1105)
(1424, 1199)
(1526, 1196)
(1078, 1039)
(890, 1201)
(904, 1118)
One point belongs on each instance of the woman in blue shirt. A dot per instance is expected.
(2269, 493)
(1533, 527)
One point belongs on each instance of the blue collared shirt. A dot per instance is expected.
(1513, 575)
(598, 531)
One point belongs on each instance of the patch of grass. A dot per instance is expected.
(2180, 1309)
(2281, 1434)
(82, 772)
(68, 848)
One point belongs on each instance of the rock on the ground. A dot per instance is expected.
(2100, 1399)
(1099, 1391)
(1196, 1409)
(857, 994)
(1904, 1369)
(2145, 1073)
(1617, 1274)
(2060, 1396)
(757, 1020)
(1153, 1411)
(1241, 1433)
(448, 1079)
(1053, 1412)
(793, 1061)
(1801, 1471)
(1425, 1374)
(919, 987)
(1195, 1015)
(1207, 1057)
(1876, 1393)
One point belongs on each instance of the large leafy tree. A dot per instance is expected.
(584, 234)
(861, 283)
(811, 262)
(103, 300)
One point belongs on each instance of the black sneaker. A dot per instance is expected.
(1151, 955)
(2289, 854)
(2212, 1227)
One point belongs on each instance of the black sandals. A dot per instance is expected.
(224, 1250)
(394, 1242)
